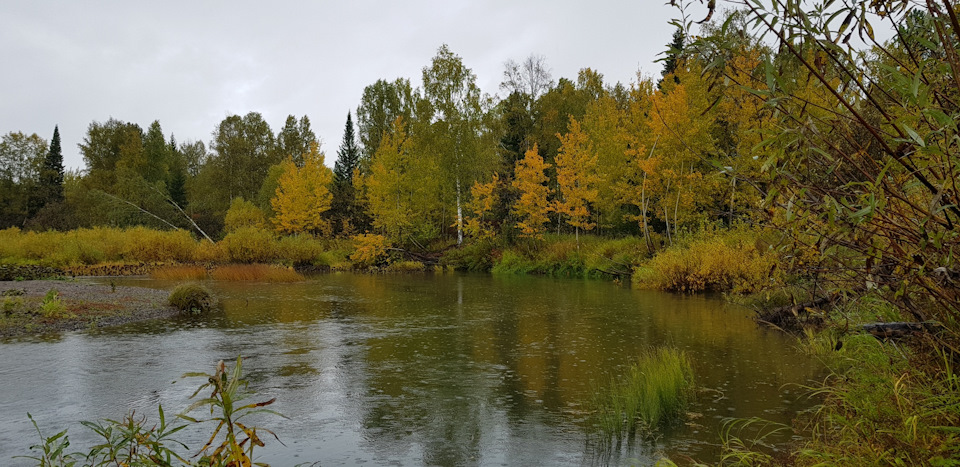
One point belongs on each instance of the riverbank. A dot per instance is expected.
(42, 306)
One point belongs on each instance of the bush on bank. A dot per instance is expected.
(735, 260)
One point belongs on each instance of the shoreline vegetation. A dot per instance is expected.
(889, 385)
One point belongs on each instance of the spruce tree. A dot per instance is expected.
(672, 60)
(51, 174)
(348, 160)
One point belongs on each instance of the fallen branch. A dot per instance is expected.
(900, 329)
(790, 316)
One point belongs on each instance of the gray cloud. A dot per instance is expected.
(190, 64)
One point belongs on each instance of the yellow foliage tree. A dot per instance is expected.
(303, 195)
(483, 199)
(577, 177)
(532, 207)
(401, 187)
(604, 123)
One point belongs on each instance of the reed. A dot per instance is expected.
(180, 273)
(255, 273)
(651, 394)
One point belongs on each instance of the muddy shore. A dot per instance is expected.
(84, 305)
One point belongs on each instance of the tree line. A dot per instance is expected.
(422, 164)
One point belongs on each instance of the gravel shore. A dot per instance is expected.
(85, 305)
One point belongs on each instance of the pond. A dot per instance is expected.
(442, 369)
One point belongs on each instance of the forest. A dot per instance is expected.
(783, 141)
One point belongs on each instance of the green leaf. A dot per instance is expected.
(914, 135)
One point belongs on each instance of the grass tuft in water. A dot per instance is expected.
(651, 394)
(192, 298)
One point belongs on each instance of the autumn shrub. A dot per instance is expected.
(255, 273)
(209, 252)
(179, 273)
(369, 250)
(250, 245)
(96, 246)
(300, 249)
(713, 261)
(149, 245)
(192, 298)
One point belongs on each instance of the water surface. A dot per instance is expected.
(413, 369)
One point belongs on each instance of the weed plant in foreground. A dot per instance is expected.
(135, 441)
(651, 393)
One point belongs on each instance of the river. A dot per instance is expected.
(442, 369)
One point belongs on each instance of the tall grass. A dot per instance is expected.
(884, 403)
(652, 393)
(255, 273)
(180, 273)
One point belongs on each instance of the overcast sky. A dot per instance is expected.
(190, 64)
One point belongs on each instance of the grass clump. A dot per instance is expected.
(52, 306)
(256, 273)
(192, 298)
(180, 273)
(651, 394)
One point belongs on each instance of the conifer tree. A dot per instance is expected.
(51, 174)
(348, 161)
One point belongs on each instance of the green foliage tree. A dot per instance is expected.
(21, 163)
(294, 139)
(455, 132)
(156, 154)
(243, 153)
(243, 213)
(107, 145)
(401, 202)
(382, 103)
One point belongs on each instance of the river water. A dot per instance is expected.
(412, 369)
